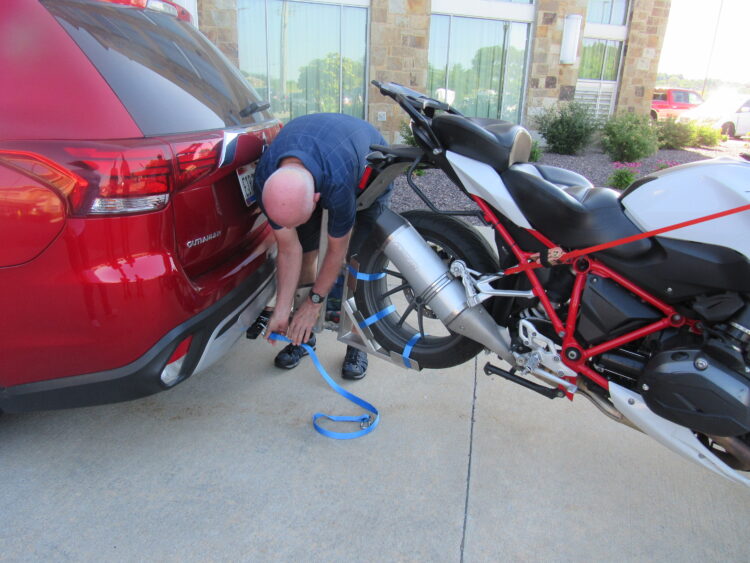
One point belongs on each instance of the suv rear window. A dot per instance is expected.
(167, 74)
(660, 96)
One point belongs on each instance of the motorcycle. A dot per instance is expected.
(639, 301)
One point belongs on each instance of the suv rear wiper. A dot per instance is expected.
(255, 107)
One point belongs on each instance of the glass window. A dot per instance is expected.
(694, 98)
(306, 57)
(478, 65)
(660, 96)
(168, 76)
(612, 12)
(679, 96)
(600, 59)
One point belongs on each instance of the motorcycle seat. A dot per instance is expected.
(491, 141)
(573, 216)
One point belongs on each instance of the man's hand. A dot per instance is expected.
(300, 329)
(277, 323)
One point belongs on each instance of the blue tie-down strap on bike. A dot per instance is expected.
(367, 422)
(365, 277)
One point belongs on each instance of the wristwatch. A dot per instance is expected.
(316, 298)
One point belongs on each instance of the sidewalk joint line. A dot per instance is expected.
(468, 469)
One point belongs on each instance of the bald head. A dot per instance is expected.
(289, 196)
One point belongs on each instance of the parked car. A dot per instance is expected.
(730, 113)
(133, 252)
(671, 102)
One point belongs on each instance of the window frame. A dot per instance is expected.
(495, 10)
(341, 5)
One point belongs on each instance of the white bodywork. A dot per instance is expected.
(677, 438)
(695, 190)
(481, 180)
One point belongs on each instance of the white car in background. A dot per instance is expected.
(729, 113)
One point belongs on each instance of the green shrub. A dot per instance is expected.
(536, 152)
(567, 128)
(624, 174)
(629, 137)
(406, 134)
(674, 135)
(706, 136)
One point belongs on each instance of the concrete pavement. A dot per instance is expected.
(463, 467)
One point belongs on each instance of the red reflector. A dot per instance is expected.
(365, 177)
(181, 350)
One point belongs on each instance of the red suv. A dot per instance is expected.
(133, 252)
(671, 102)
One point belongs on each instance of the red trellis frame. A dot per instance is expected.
(574, 355)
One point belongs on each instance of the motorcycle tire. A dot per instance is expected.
(451, 239)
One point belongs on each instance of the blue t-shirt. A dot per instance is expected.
(333, 148)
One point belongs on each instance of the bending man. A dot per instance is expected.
(315, 162)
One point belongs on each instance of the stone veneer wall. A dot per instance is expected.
(550, 81)
(399, 41)
(648, 22)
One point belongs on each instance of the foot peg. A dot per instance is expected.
(548, 392)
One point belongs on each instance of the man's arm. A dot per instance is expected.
(288, 266)
(300, 329)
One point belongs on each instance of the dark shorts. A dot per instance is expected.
(309, 232)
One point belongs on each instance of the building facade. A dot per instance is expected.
(489, 58)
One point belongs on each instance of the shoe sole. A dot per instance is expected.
(353, 377)
(295, 365)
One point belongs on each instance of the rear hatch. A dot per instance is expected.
(183, 94)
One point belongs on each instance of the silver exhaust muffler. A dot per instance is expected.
(434, 286)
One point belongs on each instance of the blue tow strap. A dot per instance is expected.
(367, 422)
(365, 277)
(408, 348)
(377, 316)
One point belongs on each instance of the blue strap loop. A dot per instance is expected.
(365, 277)
(367, 422)
(377, 316)
(409, 347)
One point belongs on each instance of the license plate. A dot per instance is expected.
(245, 176)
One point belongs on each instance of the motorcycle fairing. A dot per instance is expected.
(677, 438)
(693, 190)
(481, 180)
(676, 270)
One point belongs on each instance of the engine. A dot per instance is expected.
(701, 382)
(707, 387)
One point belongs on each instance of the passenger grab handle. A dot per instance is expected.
(403, 153)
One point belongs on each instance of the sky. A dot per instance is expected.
(690, 33)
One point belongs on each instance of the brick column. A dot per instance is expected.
(648, 22)
(218, 21)
(550, 81)
(399, 41)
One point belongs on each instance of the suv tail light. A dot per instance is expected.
(123, 181)
(115, 177)
(196, 158)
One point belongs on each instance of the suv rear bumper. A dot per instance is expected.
(213, 330)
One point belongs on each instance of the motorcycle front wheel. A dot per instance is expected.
(437, 347)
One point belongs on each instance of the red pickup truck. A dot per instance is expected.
(671, 102)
